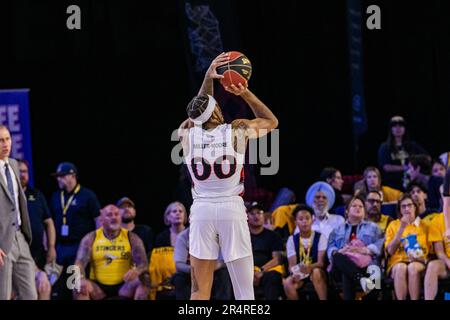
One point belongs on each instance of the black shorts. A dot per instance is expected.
(110, 291)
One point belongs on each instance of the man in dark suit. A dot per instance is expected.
(17, 266)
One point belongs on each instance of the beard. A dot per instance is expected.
(320, 211)
(115, 226)
(374, 213)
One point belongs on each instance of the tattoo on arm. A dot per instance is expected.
(240, 128)
(138, 253)
(84, 253)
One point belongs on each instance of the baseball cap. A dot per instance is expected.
(254, 205)
(65, 168)
(397, 120)
(125, 200)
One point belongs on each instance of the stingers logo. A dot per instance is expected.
(109, 258)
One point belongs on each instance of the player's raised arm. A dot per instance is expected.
(184, 128)
(211, 74)
(265, 120)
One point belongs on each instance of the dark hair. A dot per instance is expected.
(328, 173)
(302, 207)
(197, 106)
(25, 162)
(379, 193)
(403, 198)
(390, 141)
(438, 161)
(418, 184)
(421, 160)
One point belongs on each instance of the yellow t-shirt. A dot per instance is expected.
(282, 216)
(279, 268)
(437, 232)
(161, 268)
(111, 259)
(421, 230)
(429, 218)
(390, 194)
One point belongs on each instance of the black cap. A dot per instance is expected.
(397, 120)
(255, 205)
(125, 200)
(65, 168)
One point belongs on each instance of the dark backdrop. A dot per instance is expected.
(109, 96)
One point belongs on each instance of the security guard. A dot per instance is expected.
(74, 209)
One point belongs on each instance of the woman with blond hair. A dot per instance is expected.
(372, 182)
(162, 263)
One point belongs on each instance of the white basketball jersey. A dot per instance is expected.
(216, 168)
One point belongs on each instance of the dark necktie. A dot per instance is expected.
(11, 190)
(9, 182)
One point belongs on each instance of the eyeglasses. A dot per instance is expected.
(407, 205)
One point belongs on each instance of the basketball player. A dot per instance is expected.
(118, 261)
(214, 152)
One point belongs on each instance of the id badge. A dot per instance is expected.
(65, 230)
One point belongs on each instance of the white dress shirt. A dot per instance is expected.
(15, 184)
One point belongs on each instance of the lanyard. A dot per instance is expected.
(304, 256)
(65, 206)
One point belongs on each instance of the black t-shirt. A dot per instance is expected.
(81, 215)
(385, 156)
(263, 245)
(163, 239)
(434, 194)
(353, 233)
(38, 212)
(146, 234)
(338, 202)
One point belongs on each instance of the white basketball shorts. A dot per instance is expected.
(219, 225)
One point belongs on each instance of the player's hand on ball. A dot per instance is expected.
(220, 60)
(237, 90)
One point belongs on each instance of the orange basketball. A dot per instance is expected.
(237, 70)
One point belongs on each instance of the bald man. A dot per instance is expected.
(117, 258)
